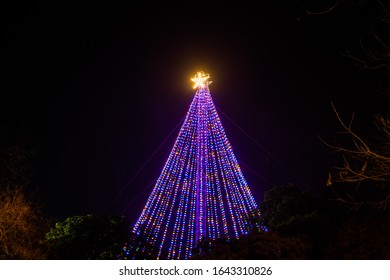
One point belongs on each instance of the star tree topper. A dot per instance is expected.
(201, 80)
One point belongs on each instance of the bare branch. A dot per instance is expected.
(362, 162)
(324, 11)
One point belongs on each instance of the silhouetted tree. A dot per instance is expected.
(286, 205)
(360, 235)
(87, 237)
(257, 246)
(365, 170)
(363, 177)
(21, 226)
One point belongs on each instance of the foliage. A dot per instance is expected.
(318, 228)
(286, 205)
(288, 213)
(363, 235)
(257, 246)
(87, 237)
(21, 226)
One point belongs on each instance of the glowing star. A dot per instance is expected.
(200, 80)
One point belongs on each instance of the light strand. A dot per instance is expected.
(201, 192)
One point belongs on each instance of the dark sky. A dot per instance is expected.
(101, 87)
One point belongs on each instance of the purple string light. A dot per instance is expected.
(201, 192)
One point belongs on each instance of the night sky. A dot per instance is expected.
(102, 90)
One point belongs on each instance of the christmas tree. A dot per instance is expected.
(201, 194)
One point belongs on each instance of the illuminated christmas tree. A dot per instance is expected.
(201, 193)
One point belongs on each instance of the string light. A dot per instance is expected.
(201, 192)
